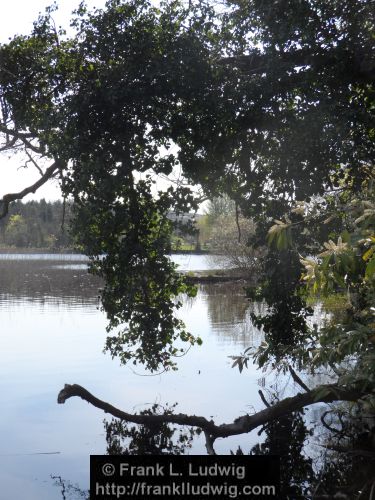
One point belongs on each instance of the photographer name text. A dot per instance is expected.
(158, 470)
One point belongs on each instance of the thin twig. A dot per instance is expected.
(34, 162)
(63, 214)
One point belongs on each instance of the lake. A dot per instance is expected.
(52, 333)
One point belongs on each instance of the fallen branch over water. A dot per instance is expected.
(217, 276)
(322, 394)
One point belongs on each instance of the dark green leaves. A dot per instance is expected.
(127, 237)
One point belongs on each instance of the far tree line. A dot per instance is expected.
(37, 224)
(45, 224)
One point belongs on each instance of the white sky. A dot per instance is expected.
(17, 17)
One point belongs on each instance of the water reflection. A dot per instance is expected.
(346, 442)
(42, 281)
(229, 313)
(52, 333)
(287, 437)
(346, 476)
(41, 352)
(153, 439)
(68, 490)
(191, 262)
(342, 470)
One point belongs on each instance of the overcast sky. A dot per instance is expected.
(17, 17)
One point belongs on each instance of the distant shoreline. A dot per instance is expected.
(191, 252)
(217, 276)
(23, 250)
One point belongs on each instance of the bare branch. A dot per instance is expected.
(327, 426)
(63, 215)
(31, 146)
(31, 159)
(298, 380)
(263, 398)
(25, 137)
(8, 198)
(180, 419)
(321, 394)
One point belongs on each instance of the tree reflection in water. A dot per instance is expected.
(70, 491)
(286, 438)
(229, 313)
(348, 460)
(345, 470)
(156, 439)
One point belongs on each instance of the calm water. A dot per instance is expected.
(52, 333)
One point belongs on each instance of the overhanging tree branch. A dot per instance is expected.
(322, 394)
(8, 198)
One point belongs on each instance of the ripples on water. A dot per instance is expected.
(41, 281)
